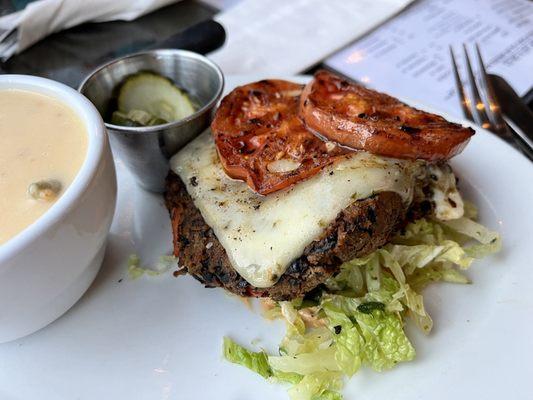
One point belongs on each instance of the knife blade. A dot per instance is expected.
(512, 105)
(202, 38)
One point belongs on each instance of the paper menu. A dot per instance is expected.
(279, 38)
(408, 56)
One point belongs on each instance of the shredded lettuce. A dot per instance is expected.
(135, 270)
(256, 361)
(318, 386)
(320, 360)
(358, 319)
(373, 336)
(286, 377)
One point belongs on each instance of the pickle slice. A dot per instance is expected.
(136, 118)
(155, 95)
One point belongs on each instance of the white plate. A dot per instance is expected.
(160, 337)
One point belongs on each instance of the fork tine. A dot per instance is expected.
(493, 110)
(465, 102)
(478, 109)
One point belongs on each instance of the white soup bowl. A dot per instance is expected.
(48, 266)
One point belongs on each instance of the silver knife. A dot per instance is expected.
(512, 105)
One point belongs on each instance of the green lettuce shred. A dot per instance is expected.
(318, 386)
(358, 320)
(256, 361)
(135, 270)
(286, 377)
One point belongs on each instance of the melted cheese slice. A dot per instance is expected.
(447, 199)
(262, 235)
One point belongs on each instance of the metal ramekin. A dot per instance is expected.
(146, 150)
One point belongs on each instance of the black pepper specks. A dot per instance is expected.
(184, 240)
(409, 129)
(254, 121)
(193, 181)
(371, 214)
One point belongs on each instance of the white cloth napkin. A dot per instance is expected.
(280, 37)
(20, 30)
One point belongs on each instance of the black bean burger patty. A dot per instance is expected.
(357, 231)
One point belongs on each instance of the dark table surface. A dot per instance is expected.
(68, 56)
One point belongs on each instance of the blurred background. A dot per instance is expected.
(397, 46)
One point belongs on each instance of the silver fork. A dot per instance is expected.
(486, 114)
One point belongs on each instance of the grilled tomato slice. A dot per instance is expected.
(364, 119)
(261, 139)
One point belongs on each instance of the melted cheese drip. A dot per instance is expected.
(448, 201)
(262, 235)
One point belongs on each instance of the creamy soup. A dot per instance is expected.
(43, 143)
